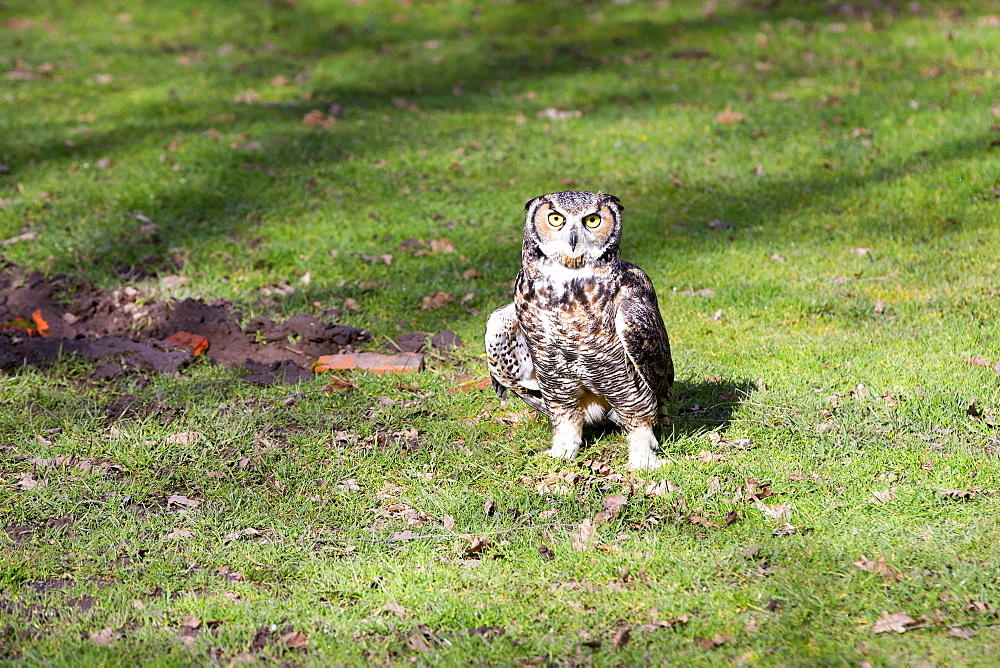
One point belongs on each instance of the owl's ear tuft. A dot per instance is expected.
(527, 204)
(615, 200)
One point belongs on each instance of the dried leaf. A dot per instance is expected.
(27, 481)
(621, 637)
(779, 512)
(879, 567)
(883, 497)
(294, 639)
(178, 534)
(897, 622)
(348, 485)
(436, 300)
(442, 245)
(405, 534)
(242, 533)
(611, 507)
(318, 119)
(713, 642)
(978, 360)
(448, 522)
(104, 637)
(729, 117)
(476, 545)
(183, 438)
(958, 632)
(958, 494)
(584, 536)
(338, 385)
(395, 608)
(177, 499)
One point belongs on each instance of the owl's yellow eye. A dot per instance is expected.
(592, 221)
(556, 220)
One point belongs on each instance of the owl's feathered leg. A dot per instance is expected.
(642, 446)
(567, 435)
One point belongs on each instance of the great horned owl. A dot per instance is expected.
(584, 341)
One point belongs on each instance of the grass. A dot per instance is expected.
(843, 367)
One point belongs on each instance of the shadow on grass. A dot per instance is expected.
(522, 54)
(699, 407)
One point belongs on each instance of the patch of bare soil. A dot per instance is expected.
(127, 332)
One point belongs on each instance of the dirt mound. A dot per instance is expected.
(42, 319)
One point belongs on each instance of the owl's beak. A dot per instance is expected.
(574, 239)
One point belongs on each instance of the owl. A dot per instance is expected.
(583, 341)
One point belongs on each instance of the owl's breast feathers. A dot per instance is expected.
(600, 319)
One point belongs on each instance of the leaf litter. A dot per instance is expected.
(126, 332)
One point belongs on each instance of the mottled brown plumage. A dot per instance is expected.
(583, 341)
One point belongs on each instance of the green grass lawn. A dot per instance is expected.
(813, 190)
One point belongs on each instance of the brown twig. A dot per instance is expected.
(439, 535)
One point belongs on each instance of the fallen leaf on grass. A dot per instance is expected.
(584, 536)
(471, 386)
(728, 117)
(661, 488)
(715, 641)
(476, 545)
(242, 533)
(703, 521)
(663, 624)
(405, 534)
(436, 300)
(338, 385)
(178, 534)
(442, 245)
(958, 494)
(105, 637)
(294, 639)
(621, 637)
(785, 529)
(879, 567)
(861, 251)
(780, 512)
(318, 119)
(178, 500)
(611, 507)
(348, 485)
(183, 438)
(978, 360)
(27, 481)
(882, 498)
(897, 622)
(958, 632)
(395, 608)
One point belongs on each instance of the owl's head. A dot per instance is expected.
(573, 228)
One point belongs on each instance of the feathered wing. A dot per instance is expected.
(508, 359)
(643, 334)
